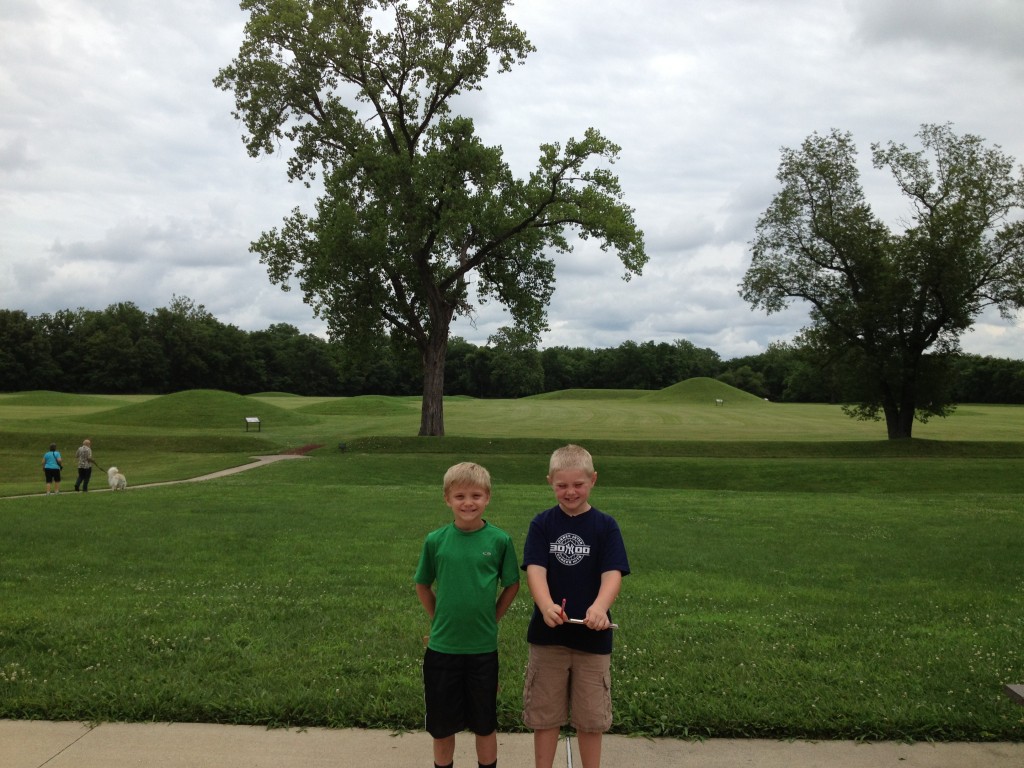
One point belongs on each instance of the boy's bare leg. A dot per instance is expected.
(444, 750)
(590, 748)
(486, 749)
(545, 742)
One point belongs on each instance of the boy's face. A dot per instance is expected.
(468, 503)
(572, 489)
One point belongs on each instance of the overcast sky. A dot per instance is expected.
(123, 176)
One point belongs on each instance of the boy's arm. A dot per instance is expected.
(537, 581)
(508, 594)
(428, 598)
(597, 614)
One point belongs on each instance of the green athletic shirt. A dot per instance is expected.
(467, 568)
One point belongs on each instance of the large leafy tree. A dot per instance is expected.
(888, 308)
(516, 368)
(418, 219)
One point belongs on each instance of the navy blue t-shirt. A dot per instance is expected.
(575, 551)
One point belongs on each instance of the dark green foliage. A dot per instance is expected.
(888, 306)
(122, 350)
(285, 361)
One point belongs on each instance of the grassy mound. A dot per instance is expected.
(46, 397)
(703, 390)
(195, 408)
(593, 394)
(364, 405)
(700, 390)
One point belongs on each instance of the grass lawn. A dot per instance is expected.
(802, 578)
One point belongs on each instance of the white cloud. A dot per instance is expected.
(123, 176)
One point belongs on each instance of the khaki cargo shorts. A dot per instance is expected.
(566, 686)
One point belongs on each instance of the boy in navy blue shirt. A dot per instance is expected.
(574, 559)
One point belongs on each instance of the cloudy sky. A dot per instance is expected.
(123, 176)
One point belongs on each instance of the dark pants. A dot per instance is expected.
(84, 475)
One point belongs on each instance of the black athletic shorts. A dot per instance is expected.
(460, 692)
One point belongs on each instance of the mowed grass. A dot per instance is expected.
(801, 587)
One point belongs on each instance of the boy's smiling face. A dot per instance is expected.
(468, 503)
(572, 489)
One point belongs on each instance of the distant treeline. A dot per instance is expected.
(123, 350)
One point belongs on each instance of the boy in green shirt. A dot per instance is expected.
(466, 562)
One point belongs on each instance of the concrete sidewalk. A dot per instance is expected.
(39, 744)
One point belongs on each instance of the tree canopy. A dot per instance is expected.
(888, 308)
(419, 218)
(182, 346)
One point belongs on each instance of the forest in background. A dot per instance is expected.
(124, 350)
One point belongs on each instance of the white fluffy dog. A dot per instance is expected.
(116, 479)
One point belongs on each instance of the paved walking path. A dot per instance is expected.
(99, 482)
(38, 744)
(257, 461)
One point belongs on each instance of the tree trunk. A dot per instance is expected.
(432, 408)
(899, 421)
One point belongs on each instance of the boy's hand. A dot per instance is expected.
(554, 615)
(597, 618)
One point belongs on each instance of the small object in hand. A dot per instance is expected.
(584, 621)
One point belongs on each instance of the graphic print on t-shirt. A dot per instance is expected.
(570, 549)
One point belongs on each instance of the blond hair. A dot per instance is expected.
(571, 457)
(467, 473)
